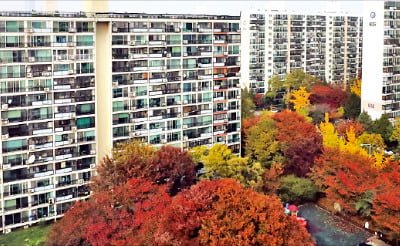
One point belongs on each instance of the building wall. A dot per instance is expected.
(73, 85)
(373, 76)
(325, 45)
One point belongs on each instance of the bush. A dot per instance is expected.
(295, 190)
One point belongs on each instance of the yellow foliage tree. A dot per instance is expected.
(396, 131)
(380, 159)
(356, 87)
(330, 137)
(300, 99)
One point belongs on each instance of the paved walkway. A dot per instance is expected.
(331, 230)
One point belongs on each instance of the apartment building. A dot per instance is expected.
(74, 84)
(380, 92)
(275, 42)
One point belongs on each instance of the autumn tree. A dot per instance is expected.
(271, 179)
(386, 202)
(334, 96)
(355, 87)
(344, 126)
(241, 216)
(261, 144)
(301, 143)
(168, 165)
(220, 162)
(127, 160)
(122, 216)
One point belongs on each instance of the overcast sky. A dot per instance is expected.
(192, 7)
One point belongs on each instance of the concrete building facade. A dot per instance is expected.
(74, 84)
(327, 45)
(380, 91)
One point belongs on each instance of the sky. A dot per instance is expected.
(191, 7)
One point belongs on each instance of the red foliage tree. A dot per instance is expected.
(258, 100)
(120, 217)
(171, 166)
(386, 203)
(334, 96)
(303, 142)
(345, 126)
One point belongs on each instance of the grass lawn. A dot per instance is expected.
(33, 236)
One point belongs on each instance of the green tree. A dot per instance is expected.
(366, 121)
(247, 104)
(261, 143)
(352, 107)
(295, 190)
(383, 126)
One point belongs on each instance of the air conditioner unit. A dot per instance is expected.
(71, 57)
(177, 29)
(31, 59)
(71, 71)
(184, 126)
(225, 120)
(163, 141)
(31, 190)
(70, 141)
(185, 137)
(29, 75)
(72, 29)
(4, 122)
(168, 55)
(185, 41)
(29, 30)
(31, 147)
(70, 44)
(163, 104)
(133, 108)
(4, 107)
(93, 165)
(185, 102)
(6, 166)
(46, 89)
(51, 201)
(4, 137)
(185, 54)
(92, 152)
(115, 83)
(238, 97)
(132, 42)
(74, 129)
(114, 29)
(80, 181)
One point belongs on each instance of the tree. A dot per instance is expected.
(271, 179)
(386, 202)
(383, 127)
(396, 131)
(241, 216)
(220, 162)
(247, 105)
(168, 165)
(355, 87)
(300, 99)
(171, 166)
(345, 126)
(366, 121)
(261, 145)
(352, 107)
(127, 161)
(258, 100)
(122, 216)
(333, 96)
(301, 143)
(296, 190)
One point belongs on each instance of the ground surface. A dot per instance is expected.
(33, 236)
(330, 230)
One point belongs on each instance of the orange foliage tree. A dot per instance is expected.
(343, 127)
(241, 216)
(386, 202)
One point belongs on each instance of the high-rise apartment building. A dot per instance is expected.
(275, 43)
(72, 85)
(380, 92)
